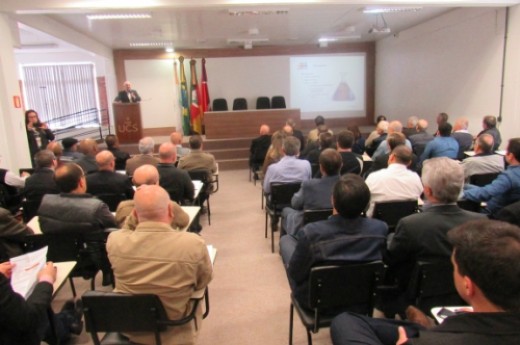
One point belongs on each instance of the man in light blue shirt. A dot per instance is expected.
(289, 168)
(442, 146)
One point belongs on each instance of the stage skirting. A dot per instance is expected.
(246, 123)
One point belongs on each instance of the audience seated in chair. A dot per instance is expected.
(411, 127)
(275, 151)
(315, 133)
(325, 141)
(345, 237)
(393, 127)
(10, 189)
(421, 138)
(296, 133)
(113, 146)
(42, 182)
(463, 137)
(70, 150)
(422, 236)
(381, 162)
(106, 180)
(288, 169)
(147, 175)
(395, 182)
(352, 162)
(485, 161)
(90, 149)
(27, 321)
(314, 194)
(197, 159)
(11, 235)
(376, 137)
(484, 277)
(489, 125)
(443, 145)
(359, 140)
(176, 139)
(156, 259)
(259, 148)
(505, 189)
(175, 181)
(145, 156)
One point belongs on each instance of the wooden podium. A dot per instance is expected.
(127, 117)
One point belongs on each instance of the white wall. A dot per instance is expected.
(449, 64)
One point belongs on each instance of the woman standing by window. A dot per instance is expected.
(38, 134)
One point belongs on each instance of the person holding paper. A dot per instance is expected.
(26, 321)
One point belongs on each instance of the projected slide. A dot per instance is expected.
(329, 85)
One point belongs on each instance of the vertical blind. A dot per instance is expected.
(55, 91)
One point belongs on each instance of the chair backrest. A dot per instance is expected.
(278, 102)
(310, 216)
(282, 193)
(432, 285)
(482, 179)
(111, 199)
(117, 312)
(392, 211)
(219, 104)
(30, 208)
(202, 175)
(239, 104)
(345, 286)
(263, 103)
(469, 205)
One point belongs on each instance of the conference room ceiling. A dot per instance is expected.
(210, 24)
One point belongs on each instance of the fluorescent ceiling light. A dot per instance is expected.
(150, 44)
(379, 10)
(339, 38)
(258, 12)
(169, 49)
(109, 16)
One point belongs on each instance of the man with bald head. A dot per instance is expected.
(175, 181)
(463, 137)
(128, 95)
(421, 138)
(89, 148)
(485, 161)
(393, 127)
(147, 175)
(259, 147)
(146, 148)
(106, 180)
(159, 260)
(176, 139)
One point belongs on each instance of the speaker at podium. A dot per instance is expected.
(127, 117)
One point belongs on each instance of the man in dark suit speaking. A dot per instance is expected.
(128, 95)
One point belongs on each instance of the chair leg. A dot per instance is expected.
(272, 238)
(266, 219)
(209, 212)
(309, 337)
(262, 195)
(72, 287)
(291, 316)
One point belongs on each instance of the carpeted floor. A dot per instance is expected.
(249, 294)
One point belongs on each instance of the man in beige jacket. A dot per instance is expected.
(156, 259)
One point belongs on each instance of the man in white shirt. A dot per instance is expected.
(484, 161)
(395, 182)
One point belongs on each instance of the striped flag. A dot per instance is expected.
(204, 93)
(184, 99)
(196, 123)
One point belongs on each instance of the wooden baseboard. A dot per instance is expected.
(156, 132)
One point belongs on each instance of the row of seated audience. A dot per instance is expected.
(149, 220)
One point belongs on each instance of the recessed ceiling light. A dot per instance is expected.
(169, 49)
(150, 44)
(108, 16)
(379, 10)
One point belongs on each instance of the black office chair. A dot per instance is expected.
(280, 197)
(278, 102)
(431, 285)
(206, 191)
(219, 104)
(469, 205)
(112, 313)
(112, 200)
(239, 104)
(311, 216)
(85, 247)
(482, 179)
(391, 212)
(334, 289)
(263, 103)
(30, 208)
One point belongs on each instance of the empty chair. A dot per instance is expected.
(240, 104)
(278, 102)
(334, 289)
(220, 104)
(263, 103)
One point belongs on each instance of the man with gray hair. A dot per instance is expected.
(146, 147)
(420, 138)
(423, 236)
(484, 161)
(411, 126)
(463, 137)
(41, 182)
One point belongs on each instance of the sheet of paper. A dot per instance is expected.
(212, 251)
(25, 271)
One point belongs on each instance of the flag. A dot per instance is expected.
(184, 100)
(196, 124)
(204, 93)
(177, 105)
